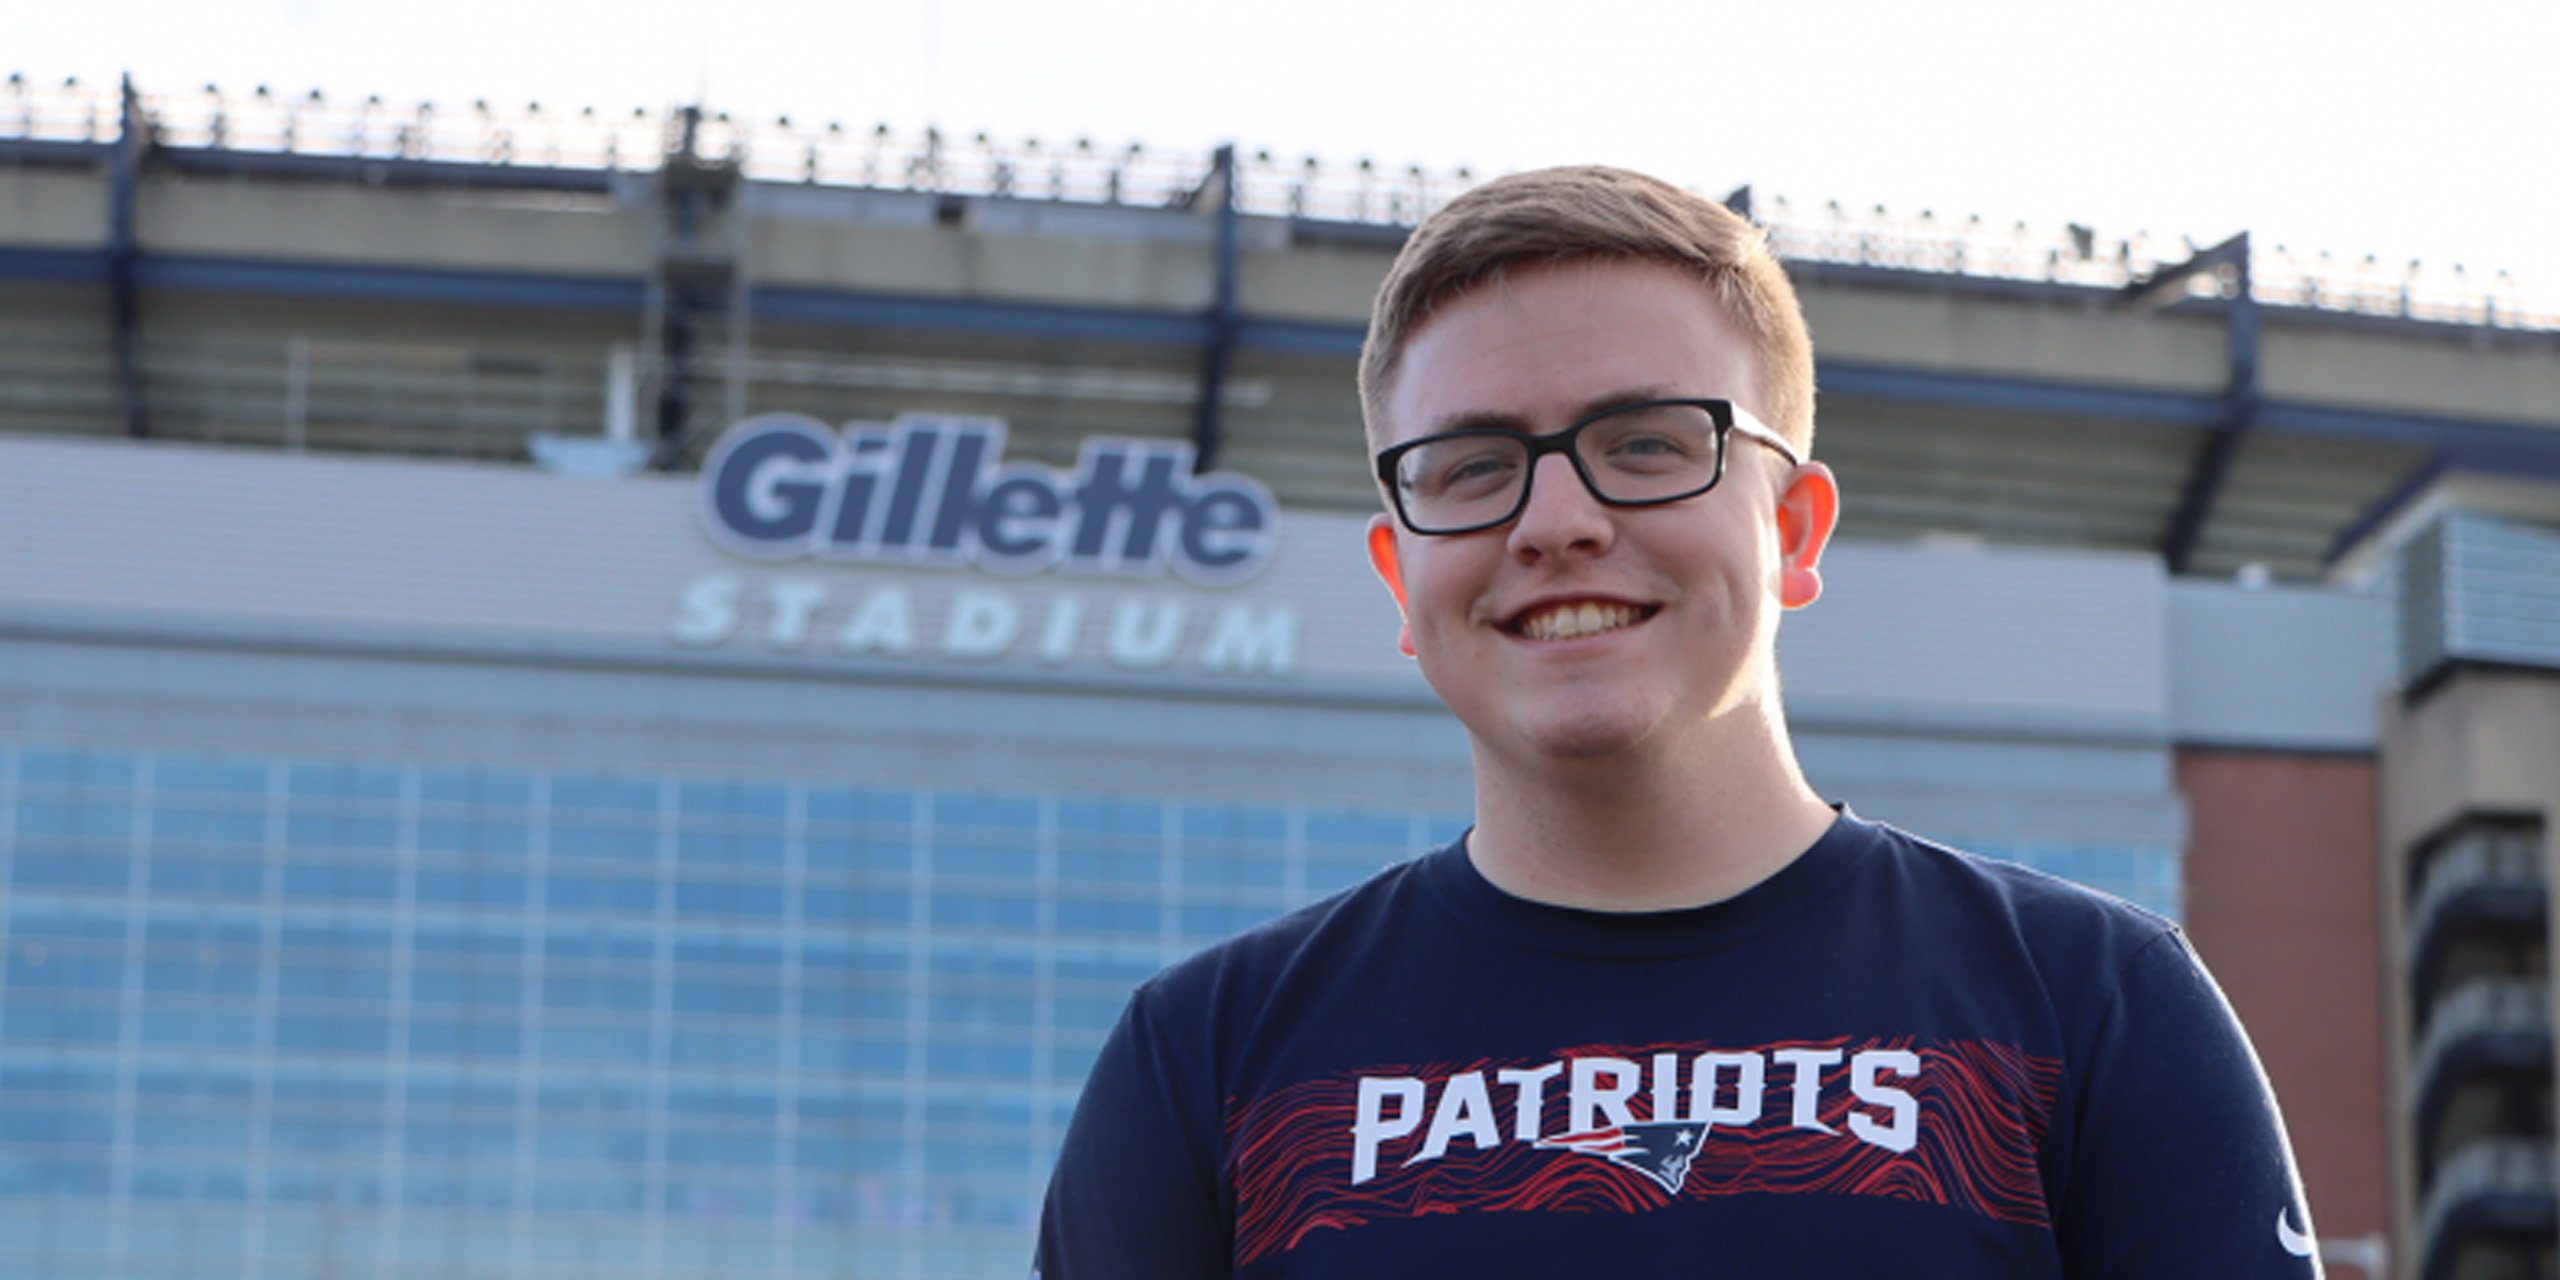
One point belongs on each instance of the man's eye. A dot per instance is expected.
(1649, 450)
(1473, 472)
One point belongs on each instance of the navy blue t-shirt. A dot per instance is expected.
(1890, 1058)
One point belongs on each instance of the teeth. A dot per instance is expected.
(1574, 621)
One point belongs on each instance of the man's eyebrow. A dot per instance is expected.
(1508, 420)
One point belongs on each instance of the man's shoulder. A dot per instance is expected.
(2052, 918)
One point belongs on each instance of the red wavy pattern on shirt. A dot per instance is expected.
(1984, 1111)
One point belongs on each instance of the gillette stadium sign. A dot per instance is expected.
(916, 540)
(936, 491)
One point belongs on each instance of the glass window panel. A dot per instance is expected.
(325, 1135)
(1111, 817)
(728, 999)
(966, 1008)
(588, 893)
(75, 768)
(729, 898)
(342, 781)
(1328, 874)
(333, 981)
(481, 1037)
(323, 830)
(730, 951)
(620, 1044)
(1086, 1013)
(1226, 822)
(211, 775)
(867, 906)
(473, 888)
(605, 794)
(336, 937)
(723, 848)
(875, 856)
(978, 1061)
(467, 837)
(699, 1147)
(92, 872)
(1108, 915)
(1233, 870)
(491, 942)
(338, 881)
(987, 810)
(1119, 973)
(875, 1055)
(970, 962)
(1110, 866)
(618, 843)
(851, 807)
(36, 1019)
(207, 876)
(476, 788)
(499, 988)
(986, 861)
(732, 800)
(55, 1126)
(336, 1033)
(199, 1027)
(724, 1049)
(74, 822)
(570, 991)
(206, 824)
(1349, 827)
(191, 976)
(871, 1003)
(1219, 920)
(991, 911)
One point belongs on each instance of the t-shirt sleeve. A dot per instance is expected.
(2179, 1163)
(1135, 1195)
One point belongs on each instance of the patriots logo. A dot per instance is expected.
(1661, 1152)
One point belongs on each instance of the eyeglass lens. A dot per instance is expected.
(1648, 453)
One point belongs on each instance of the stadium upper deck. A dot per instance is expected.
(303, 272)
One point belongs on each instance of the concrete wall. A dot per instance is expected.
(2479, 740)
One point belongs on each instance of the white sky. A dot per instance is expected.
(2398, 129)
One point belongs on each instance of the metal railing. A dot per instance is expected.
(2518, 1167)
(2506, 857)
(2481, 1006)
(1082, 170)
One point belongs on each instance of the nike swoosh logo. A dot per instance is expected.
(2294, 1242)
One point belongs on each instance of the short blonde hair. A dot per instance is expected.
(1589, 212)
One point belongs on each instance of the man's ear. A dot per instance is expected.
(1382, 557)
(1807, 512)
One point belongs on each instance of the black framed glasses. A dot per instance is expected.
(1642, 454)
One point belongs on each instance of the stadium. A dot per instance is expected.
(448, 829)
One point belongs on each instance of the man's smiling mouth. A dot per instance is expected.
(1575, 620)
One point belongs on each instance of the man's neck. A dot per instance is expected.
(1650, 830)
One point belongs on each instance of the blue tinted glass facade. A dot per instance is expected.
(282, 1017)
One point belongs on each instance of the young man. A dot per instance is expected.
(1662, 1011)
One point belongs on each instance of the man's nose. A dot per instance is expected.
(1562, 514)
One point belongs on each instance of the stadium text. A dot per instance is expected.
(895, 620)
(934, 491)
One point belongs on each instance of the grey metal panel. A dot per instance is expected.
(2284, 667)
(484, 554)
(1982, 639)
(2474, 587)
(554, 717)
(2002, 793)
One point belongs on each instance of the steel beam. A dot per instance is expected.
(1223, 318)
(2240, 398)
(133, 145)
